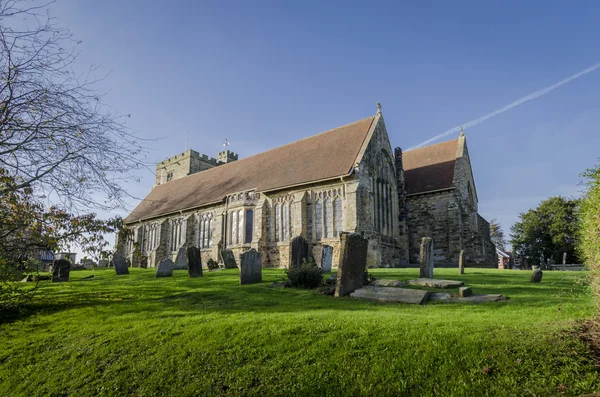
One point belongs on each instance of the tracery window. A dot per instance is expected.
(283, 218)
(337, 215)
(241, 226)
(383, 196)
(324, 214)
(151, 236)
(178, 231)
(205, 223)
(319, 220)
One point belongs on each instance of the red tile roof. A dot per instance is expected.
(430, 168)
(324, 156)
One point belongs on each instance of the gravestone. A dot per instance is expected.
(353, 261)
(120, 264)
(564, 258)
(299, 250)
(536, 277)
(60, 270)
(464, 292)
(250, 267)
(144, 262)
(165, 268)
(181, 259)
(228, 259)
(212, 264)
(102, 263)
(194, 262)
(461, 262)
(326, 258)
(426, 258)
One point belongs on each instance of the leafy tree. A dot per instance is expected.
(497, 235)
(549, 230)
(589, 242)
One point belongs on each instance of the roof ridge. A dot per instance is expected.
(270, 150)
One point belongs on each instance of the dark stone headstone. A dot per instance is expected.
(228, 259)
(212, 264)
(426, 258)
(181, 260)
(326, 258)
(353, 261)
(464, 292)
(165, 268)
(299, 251)
(60, 270)
(250, 267)
(536, 277)
(120, 264)
(194, 262)
(461, 262)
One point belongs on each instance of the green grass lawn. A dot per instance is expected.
(140, 336)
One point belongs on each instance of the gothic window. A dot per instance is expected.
(318, 220)
(240, 227)
(291, 219)
(234, 227)
(177, 234)
(285, 221)
(309, 220)
(268, 220)
(277, 222)
(205, 230)
(383, 196)
(249, 225)
(328, 215)
(337, 215)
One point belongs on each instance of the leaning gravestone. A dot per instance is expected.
(120, 264)
(461, 262)
(536, 277)
(250, 267)
(181, 260)
(212, 264)
(194, 262)
(299, 250)
(228, 259)
(426, 258)
(165, 268)
(60, 270)
(353, 261)
(326, 258)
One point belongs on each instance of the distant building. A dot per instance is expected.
(70, 256)
(505, 259)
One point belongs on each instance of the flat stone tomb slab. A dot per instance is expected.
(434, 283)
(385, 294)
(388, 283)
(481, 298)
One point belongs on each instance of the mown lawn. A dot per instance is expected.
(140, 336)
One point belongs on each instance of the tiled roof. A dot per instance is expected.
(430, 168)
(324, 156)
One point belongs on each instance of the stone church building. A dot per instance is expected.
(347, 179)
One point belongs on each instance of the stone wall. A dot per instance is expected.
(377, 194)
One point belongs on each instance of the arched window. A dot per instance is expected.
(240, 228)
(337, 215)
(383, 195)
(292, 219)
(309, 220)
(285, 222)
(328, 215)
(277, 222)
(318, 220)
(234, 227)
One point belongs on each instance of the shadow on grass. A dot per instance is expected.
(220, 292)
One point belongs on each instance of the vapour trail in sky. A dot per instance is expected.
(511, 105)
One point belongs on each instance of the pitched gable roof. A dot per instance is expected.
(324, 156)
(430, 168)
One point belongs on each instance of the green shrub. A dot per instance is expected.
(308, 276)
(589, 239)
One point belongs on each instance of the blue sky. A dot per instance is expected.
(268, 73)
